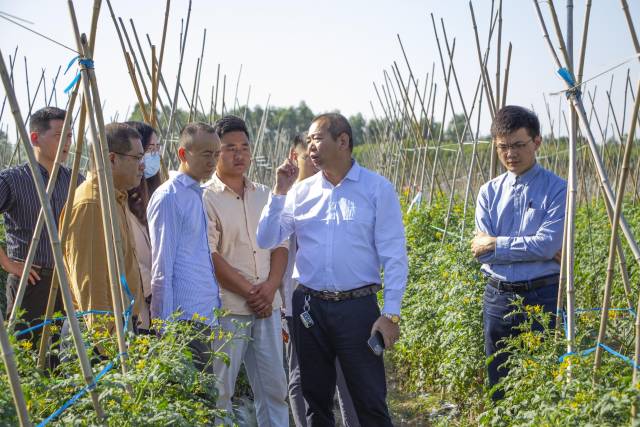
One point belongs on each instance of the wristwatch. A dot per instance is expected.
(395, 319)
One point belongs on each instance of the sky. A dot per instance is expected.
(326, 53)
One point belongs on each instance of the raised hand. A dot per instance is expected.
(286, 175)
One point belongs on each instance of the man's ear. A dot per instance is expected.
(293, 154)
(33, 137)
(343, 141)
(537, 141)
(112, 157)
(182, 154)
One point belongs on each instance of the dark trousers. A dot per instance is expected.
(498, 324)
(341, 330)
(35, 299)
(201, 348)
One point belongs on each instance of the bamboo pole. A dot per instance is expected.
(569, 250)
(14, 377)
(154, 88)
(53, 238)
(53, 293)
(617, 213)
(105, 185)
(605, 186)
(174, 104)
(506, 77)
(583, 44)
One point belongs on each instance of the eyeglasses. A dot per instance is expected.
(139, 158)
(516, 146)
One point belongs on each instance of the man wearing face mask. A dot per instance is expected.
(138, 201)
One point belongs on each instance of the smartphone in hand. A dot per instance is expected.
(376, 343)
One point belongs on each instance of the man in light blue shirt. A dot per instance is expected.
(182, 273)
(348, 225)
(519, 226)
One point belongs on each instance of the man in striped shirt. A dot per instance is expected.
(20, 206)
(183, 282)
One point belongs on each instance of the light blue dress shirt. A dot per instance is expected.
(345, 233)
(182, 274)
(526, 214)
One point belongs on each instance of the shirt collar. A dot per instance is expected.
(43, 170)
(121, 196)
(352, 175)
(186, 180)
(216, 184)
(526, 177)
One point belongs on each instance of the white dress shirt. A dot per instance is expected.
(345, 233)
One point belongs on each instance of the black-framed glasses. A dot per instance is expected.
(516, 146)
(139, 158)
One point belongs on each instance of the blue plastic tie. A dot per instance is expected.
(567, 76)
(88, 63)
(108, 366)
(78, 395)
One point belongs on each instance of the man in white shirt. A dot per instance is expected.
(300, 155)
(348, 224)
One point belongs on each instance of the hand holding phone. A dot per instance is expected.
(376, 343)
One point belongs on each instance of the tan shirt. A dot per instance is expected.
(232, 225)
(142, 250)
(85, 254)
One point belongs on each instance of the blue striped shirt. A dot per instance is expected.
(526, 214)
(182, 274)
(20, 206)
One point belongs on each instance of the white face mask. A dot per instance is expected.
(151, 164)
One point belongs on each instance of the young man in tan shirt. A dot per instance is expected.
(249, 278)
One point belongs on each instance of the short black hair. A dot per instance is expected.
(513, 117)
(119, 136)
(145, 130)
(229, 124)
(40, 121)
(338, 124)
(190, 130)
(299, 140)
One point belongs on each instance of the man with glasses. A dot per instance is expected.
(519, 226)
(84, 246)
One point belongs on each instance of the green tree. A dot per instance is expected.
(455, 128)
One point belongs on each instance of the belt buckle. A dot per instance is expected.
(331, 295)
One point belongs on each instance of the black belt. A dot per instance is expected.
(524, 285)
(44, 271)
(344, 295)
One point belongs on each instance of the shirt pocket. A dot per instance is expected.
(358, 222)
(531, 221)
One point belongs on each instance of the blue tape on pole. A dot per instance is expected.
(619, 355)
(566, 76)
(108, 366)
(88, 63)
(78, 395)
(55, 319)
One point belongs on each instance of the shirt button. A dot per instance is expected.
(254, 252)
(238, 197)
